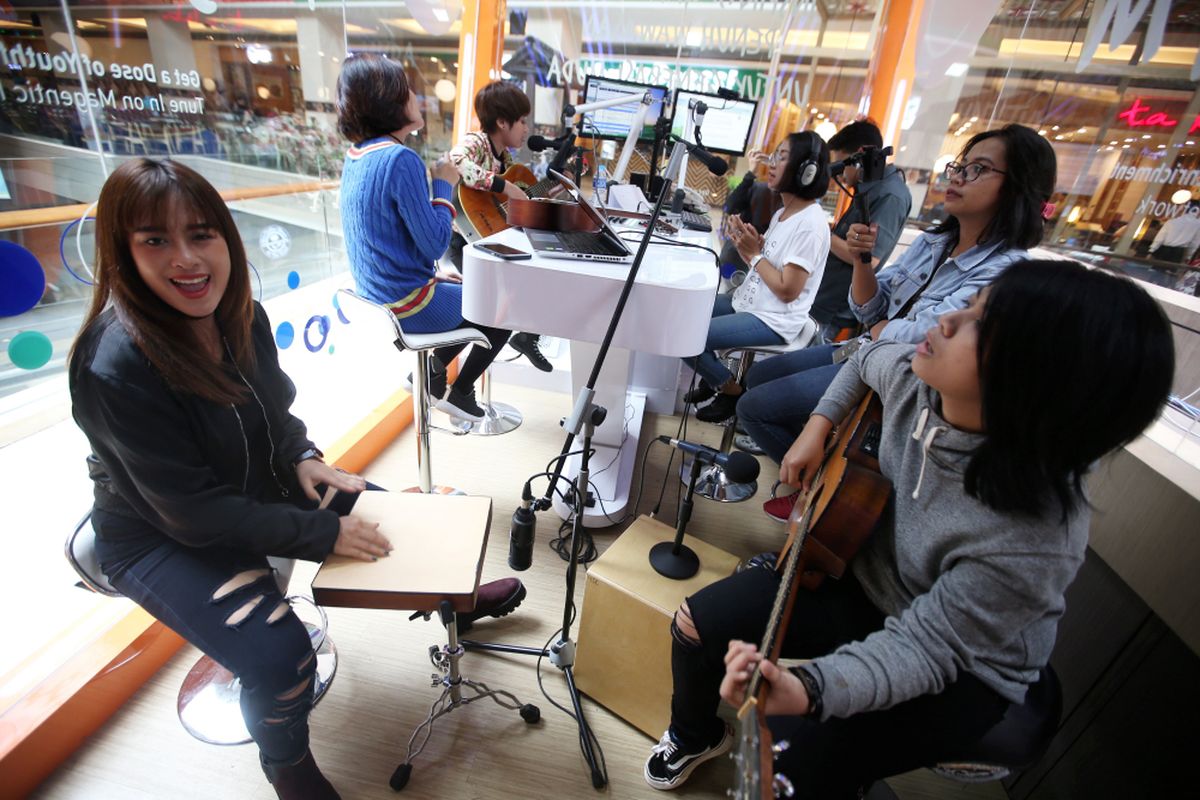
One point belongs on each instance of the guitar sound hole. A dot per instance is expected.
(870, 441)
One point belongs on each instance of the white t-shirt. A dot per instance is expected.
(803, 240)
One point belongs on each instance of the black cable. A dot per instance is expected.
(669, 242)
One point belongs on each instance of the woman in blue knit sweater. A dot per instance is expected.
(394, 231)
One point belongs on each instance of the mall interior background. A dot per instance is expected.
(243, 92)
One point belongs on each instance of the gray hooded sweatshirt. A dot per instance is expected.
(965, 588)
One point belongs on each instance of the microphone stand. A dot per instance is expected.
(675, 559)
(584, 418)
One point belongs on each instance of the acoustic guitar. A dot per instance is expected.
(487, 212)
(826, 528)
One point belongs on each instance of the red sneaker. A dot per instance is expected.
(780, 508)
(495, 599)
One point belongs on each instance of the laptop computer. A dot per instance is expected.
(603, 245)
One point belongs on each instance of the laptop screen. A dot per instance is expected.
(588, 208)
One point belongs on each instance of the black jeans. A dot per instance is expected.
(829, 759)
(248, 629)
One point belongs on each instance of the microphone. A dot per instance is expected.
(539, 143)
(677, 201)
(739, 467)
(716, 165)
(520, 535)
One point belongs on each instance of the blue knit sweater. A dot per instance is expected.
(393, 231)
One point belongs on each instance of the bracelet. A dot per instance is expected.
(812, 689)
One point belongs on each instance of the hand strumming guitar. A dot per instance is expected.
(512, 190)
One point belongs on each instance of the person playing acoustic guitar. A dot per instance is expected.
(951, 607)
(481, 159)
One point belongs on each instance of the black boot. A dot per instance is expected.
(302, 781)
(527, 345)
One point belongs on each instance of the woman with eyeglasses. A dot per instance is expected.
(996, 201)
(784, 269)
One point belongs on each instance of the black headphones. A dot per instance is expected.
(806, 170)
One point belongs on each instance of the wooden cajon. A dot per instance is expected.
(624, 653)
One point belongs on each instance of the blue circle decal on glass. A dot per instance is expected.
(293, 279)
(338, 307)
(22, 281)
(285, 334)
(322, 323)
(30, 349)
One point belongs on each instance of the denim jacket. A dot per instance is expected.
(956, 280)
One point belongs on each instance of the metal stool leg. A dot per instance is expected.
(445, 660)
(421, 420)
(712, 483)
(498, 417)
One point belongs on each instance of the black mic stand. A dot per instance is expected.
(584, 418)
(675, 559)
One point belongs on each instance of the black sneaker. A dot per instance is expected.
(701, 393)
(670, 763)
(527, 345)
(463, 406)
(437, 380)
(720, 409)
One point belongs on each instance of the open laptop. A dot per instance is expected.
(603, 245)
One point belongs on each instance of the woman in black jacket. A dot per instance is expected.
(200, 469)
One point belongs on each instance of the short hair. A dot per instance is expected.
(806, 146)
(1028, 184)
(372, 91)
(855, 136)
(500, 101)
(1051, 411)
(140, 193)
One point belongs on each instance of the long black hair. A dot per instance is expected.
(1028, 184)
(1073, 363)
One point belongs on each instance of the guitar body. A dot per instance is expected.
(487, 212)
(549, 215)
(826, 529)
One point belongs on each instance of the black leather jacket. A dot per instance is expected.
(204, 473)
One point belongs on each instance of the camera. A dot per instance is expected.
(870, 161)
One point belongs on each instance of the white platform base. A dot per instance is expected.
(611, 469)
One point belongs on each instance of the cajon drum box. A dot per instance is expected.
(624, 653)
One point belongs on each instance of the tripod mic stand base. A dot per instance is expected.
(677, 566)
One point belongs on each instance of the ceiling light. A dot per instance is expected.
(1181, 196)
(826, 130)
(956, 70)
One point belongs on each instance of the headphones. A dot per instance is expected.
(806, 170)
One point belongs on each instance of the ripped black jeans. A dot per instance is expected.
(227, 604)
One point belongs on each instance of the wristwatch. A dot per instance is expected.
(754, 261)
(311, 452)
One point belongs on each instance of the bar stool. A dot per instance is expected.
(713, 484)
(209, 702)
(422, 344)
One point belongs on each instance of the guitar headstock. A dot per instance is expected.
(750, 760)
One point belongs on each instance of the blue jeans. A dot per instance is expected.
(250, 630)
(780, 394)
(728, 329)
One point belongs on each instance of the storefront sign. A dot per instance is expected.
(1124, 17)
(1140, 115)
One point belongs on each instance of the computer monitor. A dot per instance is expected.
(727, 123)
(613, 123)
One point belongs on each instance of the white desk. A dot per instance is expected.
(667, 313)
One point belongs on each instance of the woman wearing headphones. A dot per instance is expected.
(785, 266)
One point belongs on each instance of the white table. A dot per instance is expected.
(667, 313)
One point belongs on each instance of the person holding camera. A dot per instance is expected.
(880, 187)
(996, 200)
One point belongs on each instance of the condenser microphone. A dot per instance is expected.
(539, 143)
(677, 201)
(739, 467)
(520, 535)
(716, 165)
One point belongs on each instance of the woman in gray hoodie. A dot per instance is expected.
(951, 608)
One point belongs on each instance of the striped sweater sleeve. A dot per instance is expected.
(428, 221)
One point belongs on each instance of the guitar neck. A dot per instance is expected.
(542, 188)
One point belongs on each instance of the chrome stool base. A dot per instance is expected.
(713, 485)
(498, 418)
(209, 702)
